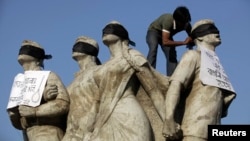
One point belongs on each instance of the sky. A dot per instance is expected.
(55, 25)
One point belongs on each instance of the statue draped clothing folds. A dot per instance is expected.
(120, 116)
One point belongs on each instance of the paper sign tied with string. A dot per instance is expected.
(27, 89)
(212, 72)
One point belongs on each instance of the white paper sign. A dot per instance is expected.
(27, 88)
(212, 72)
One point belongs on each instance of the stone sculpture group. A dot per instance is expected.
(125, 98)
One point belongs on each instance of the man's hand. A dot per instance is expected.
(27, 111)
(171, 130)
(50, 92)
(188, 40)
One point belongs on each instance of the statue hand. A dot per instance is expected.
(27, 111)
(13, 112)
(171, 130)
(50, 92)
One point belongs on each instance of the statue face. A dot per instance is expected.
(25, 59)
(77, 55)
(109, 39)
(212, 39)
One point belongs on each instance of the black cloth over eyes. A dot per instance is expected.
(87, 48)
(203, 30)
(34, 52)
(117, 30)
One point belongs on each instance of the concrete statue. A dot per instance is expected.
(199, 86)
(120, 116)
(84, 93)
(125, 98)
(40, 101)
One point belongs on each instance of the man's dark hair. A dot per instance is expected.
(182, 14)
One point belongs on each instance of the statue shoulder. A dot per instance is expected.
(191, 55)
(54, 78)
(137, 57)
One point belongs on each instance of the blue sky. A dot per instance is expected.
(56, 24)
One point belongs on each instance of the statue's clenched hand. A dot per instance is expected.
(50, 92)
(27, 111)
(171, 130)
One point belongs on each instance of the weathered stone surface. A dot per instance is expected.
(153, 116)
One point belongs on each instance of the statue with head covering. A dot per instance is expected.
(120, 115)
(83, 91)
(47, 120)
(196, 89)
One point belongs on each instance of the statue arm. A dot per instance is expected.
(55, 106)
(171, 129)
(180, 80)
(146, 78)
(172, 99)
(15, 117)
(149, 84)
(60, 104)
(52, 108)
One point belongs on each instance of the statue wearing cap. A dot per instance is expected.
(83, 91)
(47, 121)
(120, 115)
(204, 101)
